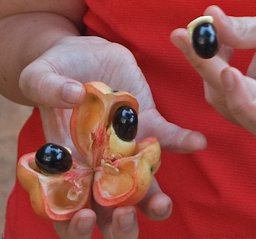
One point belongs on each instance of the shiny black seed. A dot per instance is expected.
(125, 123)
(53, 159)
(205, 40)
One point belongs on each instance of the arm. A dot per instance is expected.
(27, 29)
(73, 10)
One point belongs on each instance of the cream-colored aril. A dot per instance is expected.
(118, 146)
(202, 19)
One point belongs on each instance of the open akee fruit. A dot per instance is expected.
(116, 171)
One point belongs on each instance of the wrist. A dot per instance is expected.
(19, 46)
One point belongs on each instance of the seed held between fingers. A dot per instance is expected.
(203, 36)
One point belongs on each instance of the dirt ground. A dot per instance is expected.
(12, 117)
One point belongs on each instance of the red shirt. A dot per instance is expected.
(213, 191)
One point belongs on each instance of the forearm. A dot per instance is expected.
(23, 38)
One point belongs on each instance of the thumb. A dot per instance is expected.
(43, 86)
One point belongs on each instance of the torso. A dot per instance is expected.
(213, 191)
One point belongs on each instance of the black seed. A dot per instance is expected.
(125, 123)
(205, 40)
(53, 159)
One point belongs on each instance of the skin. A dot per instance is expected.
(229, 91)
(40, 47)
(44, 50)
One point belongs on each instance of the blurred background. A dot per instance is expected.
(12, 117)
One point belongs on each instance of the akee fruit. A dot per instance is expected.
(116, 169)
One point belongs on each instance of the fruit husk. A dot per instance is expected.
(50, 201)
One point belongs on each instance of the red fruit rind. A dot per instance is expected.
(59, 196)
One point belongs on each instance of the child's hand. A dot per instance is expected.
(54, 82)
(229, 91)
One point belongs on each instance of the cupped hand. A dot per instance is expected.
(230, 92)
(54, 82)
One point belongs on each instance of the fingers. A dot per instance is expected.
(237, 32)
(208, 69)
(240, 97)
(125, 223)
(80, 226)
(170, 135)
(156, 205)
(118, 223)
(233, 32)
(226, 89)
(41, 85)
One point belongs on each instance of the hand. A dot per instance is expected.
(54, 82)
(230, 92)
(121, 223)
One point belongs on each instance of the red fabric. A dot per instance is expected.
(213, 191)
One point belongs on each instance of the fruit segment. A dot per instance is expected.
(91, 123)
(55, 196)
(130, 177)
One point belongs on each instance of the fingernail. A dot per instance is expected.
(127, 220)
(228, 81)
(71, 92)
(84, 225)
